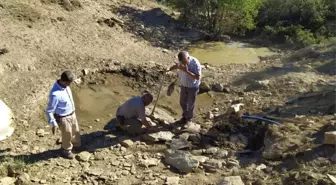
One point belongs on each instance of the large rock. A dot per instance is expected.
(330, 138)
(7, 181)
(231, 180)
(204, 87)
(158, 136)
(160, 115)
(6, 119)
(180, 160)
(23, 179)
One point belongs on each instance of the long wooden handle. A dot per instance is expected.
(158, 96)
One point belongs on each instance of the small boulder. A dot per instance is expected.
(180, 143)
(221, 154)
(330, 138)
(158, 136)
(210, 115)
(40, 133)
(218, 87)
(234, 108)
(192, 127)
(231, 180)
(211, 150)
(333, 158)
(125, 142)
(212, 165)
(257, 85)
(23, 179)
(261, 167)
(180, 160)
(83, 156)
(200, 158)
(85, 72)
(204, 87)
(149, 162)
(172, 180)
(7, 181)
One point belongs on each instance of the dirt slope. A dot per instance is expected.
(43, 39)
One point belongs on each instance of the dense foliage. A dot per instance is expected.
(302, 22)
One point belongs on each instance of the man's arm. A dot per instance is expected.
(51, 110)
(174, 67)
(192, 75)
(196, 75)
(142, 117)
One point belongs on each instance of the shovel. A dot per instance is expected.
(170, 91)
(158, 94)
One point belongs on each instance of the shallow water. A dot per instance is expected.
(102, 101)
(217, 53)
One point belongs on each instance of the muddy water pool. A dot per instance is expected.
(217, 53)
(96, 105)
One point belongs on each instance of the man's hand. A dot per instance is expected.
(174, 67)
(183, 68)
(54, 129)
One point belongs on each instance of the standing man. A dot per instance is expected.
(132, 114)
(61, 113)
(190, 76)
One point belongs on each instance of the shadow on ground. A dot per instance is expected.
(109, 137)
(158, 28)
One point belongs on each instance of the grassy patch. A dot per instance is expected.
(11, 166)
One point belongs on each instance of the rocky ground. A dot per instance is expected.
(118, 49)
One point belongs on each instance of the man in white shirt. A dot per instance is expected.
(61, 114)
(190, 77)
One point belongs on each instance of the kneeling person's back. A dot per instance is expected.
(133, 108)
(132, 114)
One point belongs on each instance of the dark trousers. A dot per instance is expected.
(188, 101)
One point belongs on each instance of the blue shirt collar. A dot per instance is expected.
(59, 86)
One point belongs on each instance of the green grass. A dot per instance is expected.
(10, 164)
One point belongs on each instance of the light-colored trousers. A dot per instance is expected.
(70, 131)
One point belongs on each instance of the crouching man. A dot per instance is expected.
(132, 114)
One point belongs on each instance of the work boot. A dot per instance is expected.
(183, 120)
(67, 154)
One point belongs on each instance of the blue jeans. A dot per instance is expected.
(188, 101)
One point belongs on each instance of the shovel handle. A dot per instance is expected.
(158, 94)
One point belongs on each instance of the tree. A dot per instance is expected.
(218, 16)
